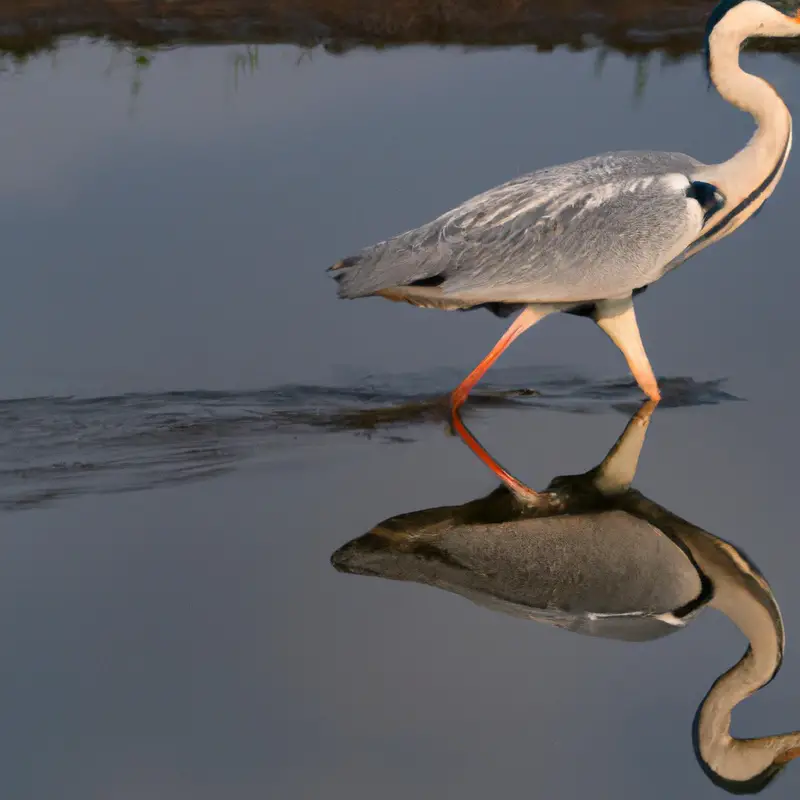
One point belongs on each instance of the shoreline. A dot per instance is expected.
(673, 27)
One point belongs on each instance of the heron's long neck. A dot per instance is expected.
(732, 758)
(762, 159)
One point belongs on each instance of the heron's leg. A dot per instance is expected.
(616, 472)
(530, 316)
(519, 489)
(618, 319)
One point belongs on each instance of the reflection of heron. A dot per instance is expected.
(594, 556)
(585, 237)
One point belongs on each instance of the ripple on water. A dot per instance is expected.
(53, 447)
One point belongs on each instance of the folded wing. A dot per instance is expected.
(591, 229)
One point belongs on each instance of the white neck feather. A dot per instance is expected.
(769, 146)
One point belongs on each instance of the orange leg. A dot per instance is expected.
(520, 490)
(529, 316)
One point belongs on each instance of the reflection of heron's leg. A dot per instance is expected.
(618, 319)
(617, 470)
(530, 316)
(520, 490)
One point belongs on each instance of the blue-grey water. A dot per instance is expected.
(191, 423)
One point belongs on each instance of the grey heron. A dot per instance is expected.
(586, 237)
(592, 555)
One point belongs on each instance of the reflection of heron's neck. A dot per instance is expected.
(755, 614)
(759, 165)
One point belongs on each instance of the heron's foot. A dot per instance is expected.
(458, 397)
(652, 391)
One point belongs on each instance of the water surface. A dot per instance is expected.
(166, 326)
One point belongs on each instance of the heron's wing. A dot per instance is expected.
(591, 229)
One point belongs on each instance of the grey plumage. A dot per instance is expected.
(605, 574)
(581, 231)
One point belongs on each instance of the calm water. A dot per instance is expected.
(192, 424)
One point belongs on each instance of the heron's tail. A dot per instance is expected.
(380, 270)
(349, 278)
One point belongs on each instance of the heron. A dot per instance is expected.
(586, 237)
(591, 555)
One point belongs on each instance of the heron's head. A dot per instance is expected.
(738, 20)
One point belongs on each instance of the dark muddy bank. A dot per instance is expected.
(629, 26)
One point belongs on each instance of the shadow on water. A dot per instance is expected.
(54, 447)
(593, 556)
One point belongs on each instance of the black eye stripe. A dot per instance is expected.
(719, 11)
(709, 196)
